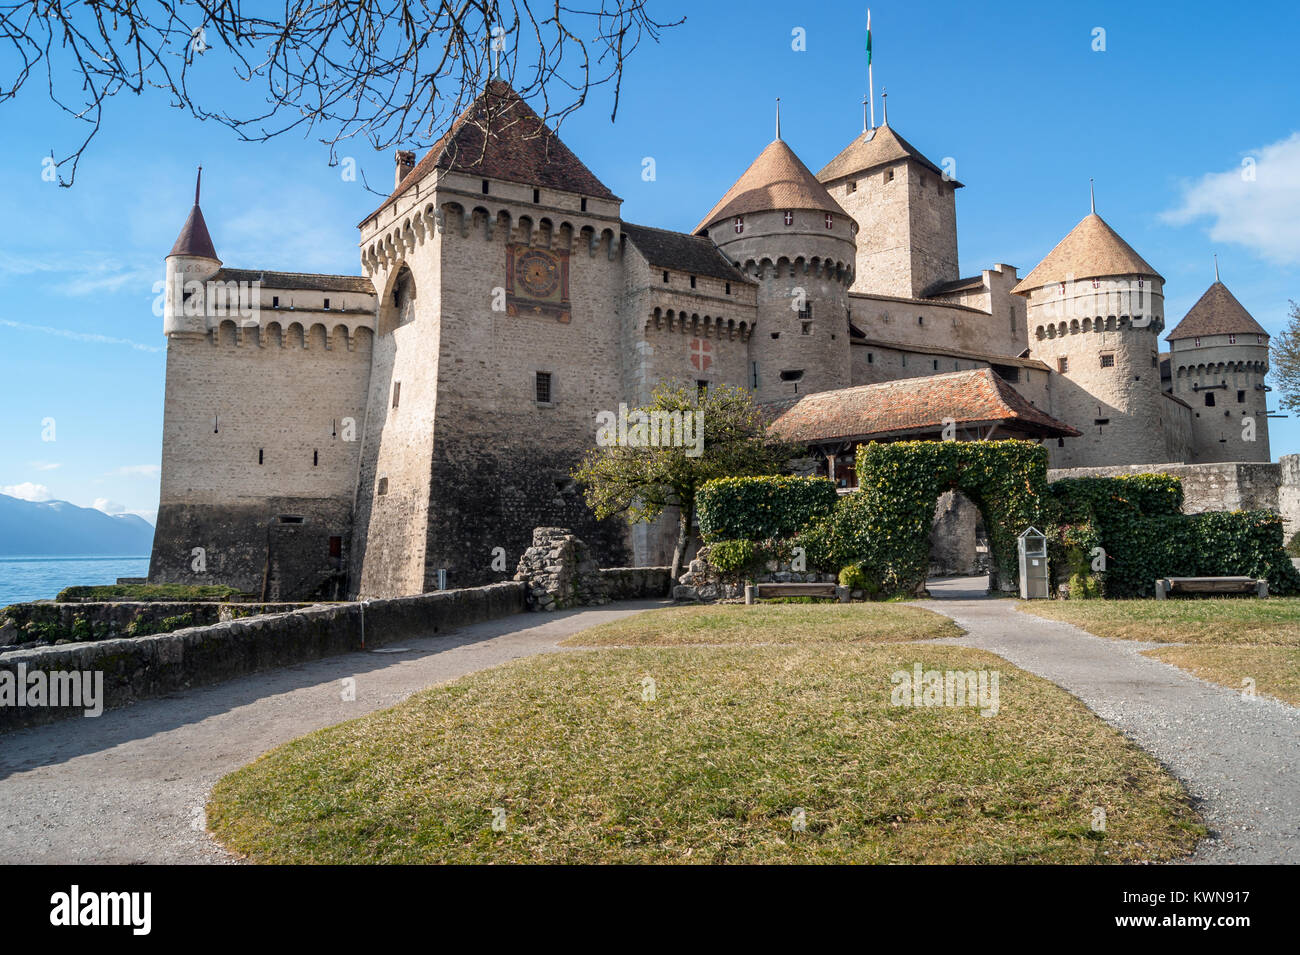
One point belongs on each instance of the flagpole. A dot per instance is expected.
(871, 86)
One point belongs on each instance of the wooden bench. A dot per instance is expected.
(795, 590)
(1210, 585)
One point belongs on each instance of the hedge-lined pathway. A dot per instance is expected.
(129, 786)
(1240, 759)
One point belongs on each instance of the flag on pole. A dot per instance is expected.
(868, 36)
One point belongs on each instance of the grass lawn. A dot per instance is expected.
(712, 769)
(1275, 670)
(770, 623)
(1232, 638)
(1210, 620)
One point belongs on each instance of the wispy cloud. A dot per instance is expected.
(108, 507)
(137, 470)
(87, 273)
(44, 465)
(27, 491)
(78, 336)
(1256, 204)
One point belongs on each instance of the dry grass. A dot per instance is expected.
(1275, 670)
(711, 770)
(1213, 620)
(770, 623)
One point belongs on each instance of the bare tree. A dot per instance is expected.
(384, 71)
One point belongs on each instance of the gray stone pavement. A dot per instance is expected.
(130, 785)
(1239, 758)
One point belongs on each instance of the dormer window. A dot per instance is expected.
(830, 220)
(740, 224)
(789, 217)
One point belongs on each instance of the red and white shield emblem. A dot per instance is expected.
(701, 354)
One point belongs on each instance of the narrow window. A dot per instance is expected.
(830, 220)
(334, 428)
(537, 196)
(806, 328)
(936, 364)
(740, 224)
(1107, 361)
(753, 370)
(543, 386)
(851, 187)
(397, 392)
(1012, 316)
(904, 359)
(665, 275)
(315, 458)
(1209, 399)
(1259, 339)
(728, 288)
(1232, 339)
(692, 281)
(1196, 342)
(1241, 397)
(214, 423)
(920, 319)
(889, 175)
(584, 205)
(1063, 364)
(806, 311)
(871, 359)
(275, 301)
(789, 217)
(383, 481)
(260, 455)
(485, 187)
(327, 303)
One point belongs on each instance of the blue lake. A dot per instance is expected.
(40, 578)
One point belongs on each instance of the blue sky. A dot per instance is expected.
(1014, 92)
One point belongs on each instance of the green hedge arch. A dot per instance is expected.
(888, 521)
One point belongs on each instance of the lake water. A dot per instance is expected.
(40, 578)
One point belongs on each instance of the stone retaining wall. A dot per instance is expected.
(45, 622)
(137, 668)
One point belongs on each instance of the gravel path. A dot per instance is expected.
(130, 786)
(1240, 759)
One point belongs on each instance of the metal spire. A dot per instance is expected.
(1216, 266)
(1092, 196)
(197, 182)
(778, 117)
(884, 107)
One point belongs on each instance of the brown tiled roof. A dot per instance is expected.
(1217, 312)
(695, 254)
(499, 136)
(992, 359)
(1091, 250)
(777, 179)
(304, 281)
(194, 238)
(875, 147)
(911, 406)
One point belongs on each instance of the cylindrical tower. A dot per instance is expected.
(1095, 311)
(780, 225)
(191, 262)
(1217, 362)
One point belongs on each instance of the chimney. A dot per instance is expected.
(405, 163)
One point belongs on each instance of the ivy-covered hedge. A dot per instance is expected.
(762, 508)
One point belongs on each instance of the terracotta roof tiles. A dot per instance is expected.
(1217, 312)
(1091, 250)
(777, 179)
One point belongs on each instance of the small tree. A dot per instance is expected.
(1285, 361)
(634, 474)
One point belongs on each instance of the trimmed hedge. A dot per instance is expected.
(137, 592)
(762, 508)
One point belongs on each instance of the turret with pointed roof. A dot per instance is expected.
(1218, 362)
(776, 180)
(194, 239)
(193, 258)
(906, 211)
(1092, 249)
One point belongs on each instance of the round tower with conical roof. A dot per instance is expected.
(779, 225)
(1218, 357)
(1095, 311)
(191, 262)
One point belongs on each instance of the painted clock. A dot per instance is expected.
(537, 282)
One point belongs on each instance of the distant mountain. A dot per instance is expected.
(58, 528)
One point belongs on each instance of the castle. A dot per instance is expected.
(404, 430)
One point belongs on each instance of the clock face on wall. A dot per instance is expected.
(537, 281)
(537, 273)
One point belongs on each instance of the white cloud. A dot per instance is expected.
(108, 507)
(77, 336)
(27, 491)
(1256, 204)
(138, 470)
(44, 465)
